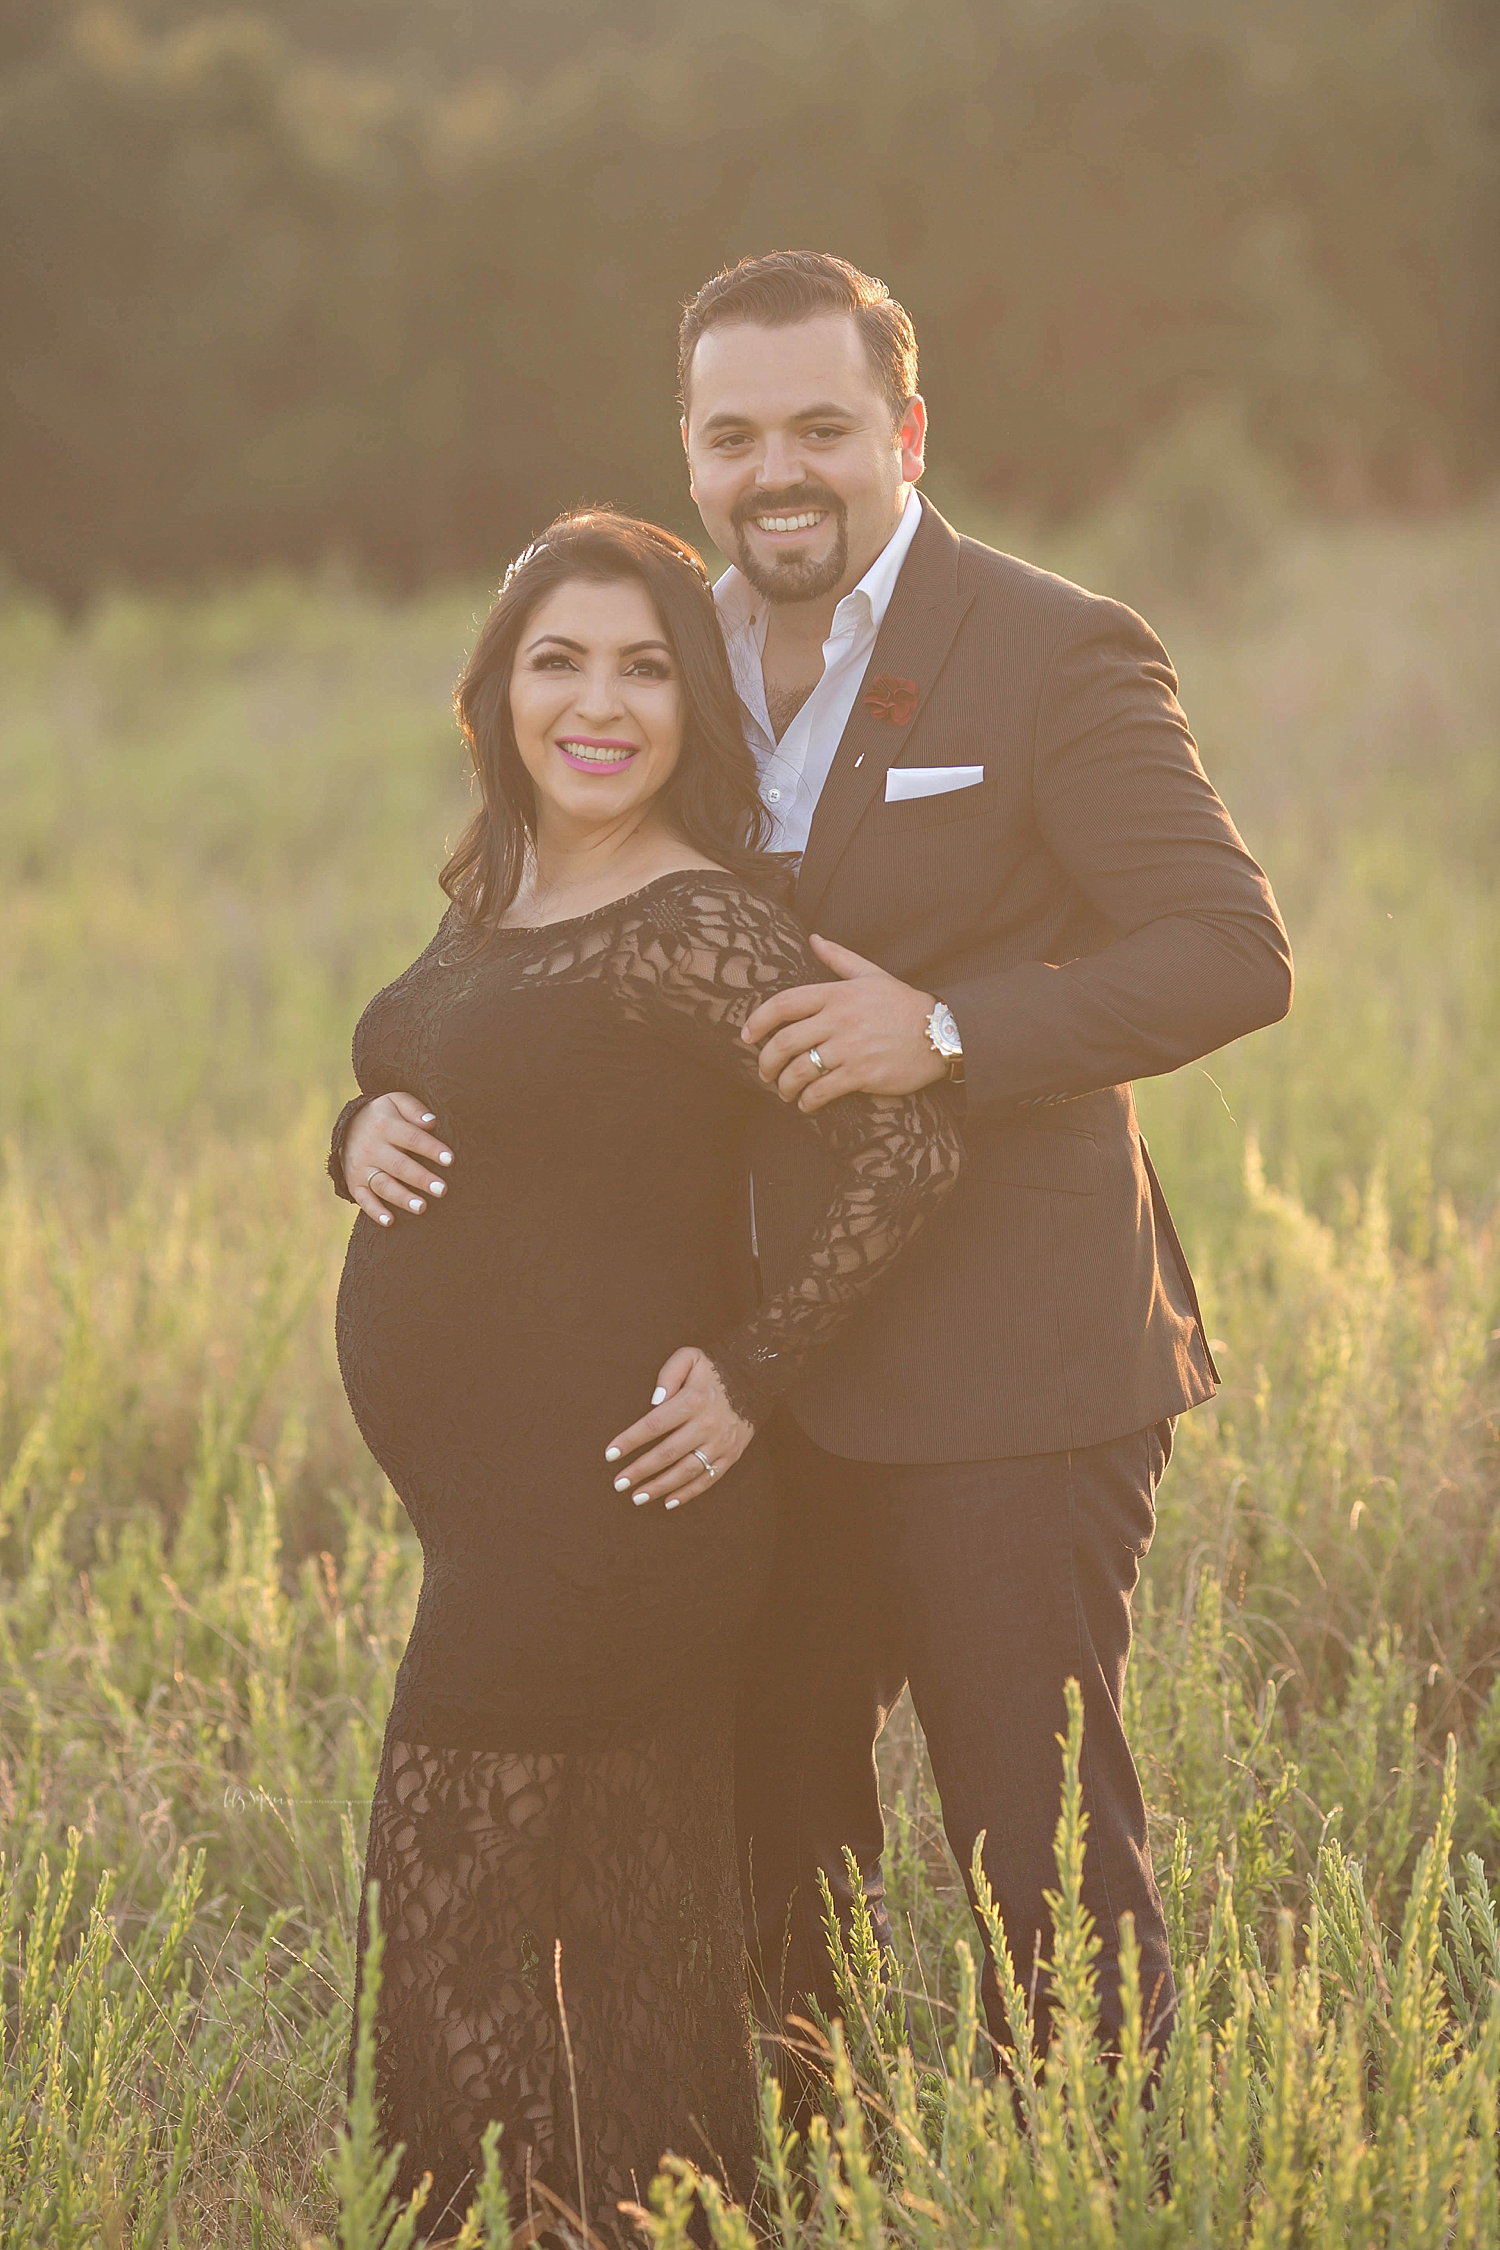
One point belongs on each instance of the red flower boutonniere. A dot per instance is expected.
(892, 699)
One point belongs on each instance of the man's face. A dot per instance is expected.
(798, 469)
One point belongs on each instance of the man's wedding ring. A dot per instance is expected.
(816, 1059)
(700, 1455)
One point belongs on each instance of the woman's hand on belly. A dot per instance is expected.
(390, 1157)
(691, 1435)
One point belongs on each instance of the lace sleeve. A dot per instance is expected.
(341, 1125)
(712, 957)
(382, 1080)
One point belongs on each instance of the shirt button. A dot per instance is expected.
(773, 796)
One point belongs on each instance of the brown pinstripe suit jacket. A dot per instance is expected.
(1091, 916)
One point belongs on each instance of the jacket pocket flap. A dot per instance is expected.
(1035, 1156)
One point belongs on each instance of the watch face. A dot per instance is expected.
(943, 1031)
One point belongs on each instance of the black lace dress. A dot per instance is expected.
(552, 1827)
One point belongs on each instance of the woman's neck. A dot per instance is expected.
(575, 869)
(569, 856)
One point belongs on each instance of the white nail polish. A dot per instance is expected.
(640, 1498)
(385, 1218)
(669, 1503)
(611, 1453)
(622, 1484)
(429, 1117)
(436, 1187)
(415, 1204)
(446, 1157)
(657, 1395)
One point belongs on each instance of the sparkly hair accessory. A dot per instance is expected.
(570, 527)
(680, 553)
(526, 555)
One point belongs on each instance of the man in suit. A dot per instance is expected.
(1025, 889)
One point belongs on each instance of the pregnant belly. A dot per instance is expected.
(550, 1602)
(455, 1362)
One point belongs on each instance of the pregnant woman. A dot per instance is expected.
(561, 1369)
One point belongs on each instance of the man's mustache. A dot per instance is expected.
(796, 501)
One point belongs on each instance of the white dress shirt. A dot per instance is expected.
(793, 770)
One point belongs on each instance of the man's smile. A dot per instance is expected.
(800, 549)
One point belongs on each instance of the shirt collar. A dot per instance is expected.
(738, 600)
(879, 581)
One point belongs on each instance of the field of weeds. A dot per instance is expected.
(223, 818)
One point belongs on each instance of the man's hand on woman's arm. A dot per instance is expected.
(869, 1031)
(391, 1162)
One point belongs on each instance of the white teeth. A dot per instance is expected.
(789, 523)
(595, 757)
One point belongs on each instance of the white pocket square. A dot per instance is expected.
(902, 782)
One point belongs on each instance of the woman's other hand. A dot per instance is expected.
(690, 1417)
(390, 1159)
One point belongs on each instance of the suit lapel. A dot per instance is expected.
(926, 611)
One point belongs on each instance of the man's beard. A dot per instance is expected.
(797, 579)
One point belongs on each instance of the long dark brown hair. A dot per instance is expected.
(711, 799)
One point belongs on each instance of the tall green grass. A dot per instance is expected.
(222, 822)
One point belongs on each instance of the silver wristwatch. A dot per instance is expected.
(942, 1037)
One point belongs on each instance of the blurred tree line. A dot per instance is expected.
(392, 283)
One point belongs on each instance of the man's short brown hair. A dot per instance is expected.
(791, 285)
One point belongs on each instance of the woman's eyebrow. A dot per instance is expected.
(627, 648)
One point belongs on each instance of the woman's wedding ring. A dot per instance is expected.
(700, 1455)
(370, 1175)
(816, 1059)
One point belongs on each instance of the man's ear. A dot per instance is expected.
(913, 438)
